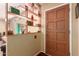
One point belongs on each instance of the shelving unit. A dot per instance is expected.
(13, 14)
(29, 11)
(25, 15)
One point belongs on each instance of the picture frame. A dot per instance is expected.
(77, 10)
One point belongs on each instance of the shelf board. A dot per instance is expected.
(16, 15)
(30, 11)
(21, 16)
(33, 26)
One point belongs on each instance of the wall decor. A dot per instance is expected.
(77, 10)
(14, 10)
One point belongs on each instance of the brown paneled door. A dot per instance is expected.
(57, 31)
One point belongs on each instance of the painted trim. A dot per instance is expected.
(70, 25)
(78, 37)
(6, 19)
(39, 52)
(70, 29)
(36, 53)
(46, 53)
(55, 7)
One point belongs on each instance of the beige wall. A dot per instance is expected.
(2, 26)
(24, 45)
(2, 17)
(74, 32)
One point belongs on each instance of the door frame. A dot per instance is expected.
(70, 26)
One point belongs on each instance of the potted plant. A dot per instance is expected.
(29, 23)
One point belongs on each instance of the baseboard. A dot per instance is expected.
(39, 52)
(46, 53)
(36, 53)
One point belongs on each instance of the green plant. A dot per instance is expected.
(29, 23)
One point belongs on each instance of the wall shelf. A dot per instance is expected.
(22, 18)
(29, 11)
(13, 14)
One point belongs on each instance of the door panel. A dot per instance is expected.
(61, 36)
(60, 26)
(60, 13)
(51, 16)
(52, 45)
(57, 27)
(61, 49)
(52, 26)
